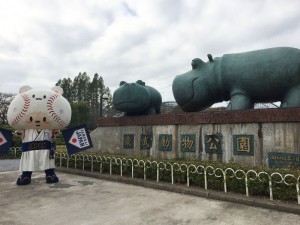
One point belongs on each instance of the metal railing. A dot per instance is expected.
(85, 161)
(16, 151)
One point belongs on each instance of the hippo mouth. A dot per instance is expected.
(185, 95)
(129, 106)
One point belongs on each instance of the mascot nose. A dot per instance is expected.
(37, 121)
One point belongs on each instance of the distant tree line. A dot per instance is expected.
(88, 99)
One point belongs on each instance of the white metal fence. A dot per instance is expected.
(84, 161)
(80, 161)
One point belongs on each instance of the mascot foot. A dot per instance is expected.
(51, 176)
(52, 179)
(25, 178)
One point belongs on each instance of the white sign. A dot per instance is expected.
(80, 139)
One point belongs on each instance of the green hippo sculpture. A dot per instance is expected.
(137, 99)
(266, 75)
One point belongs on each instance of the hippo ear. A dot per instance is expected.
(122, 83)
(210, 58)
(24, 88)
(58, 90)
(140, 82)
(197, 63)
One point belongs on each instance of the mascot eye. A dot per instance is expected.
(44, 96)
(15, 110)
(61, 112)
(44, 119)
(30, 119)
(33, 96)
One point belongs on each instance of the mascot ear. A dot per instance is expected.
(24, 88)
(58, 90)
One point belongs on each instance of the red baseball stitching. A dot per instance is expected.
(51, 111)
(25, 107)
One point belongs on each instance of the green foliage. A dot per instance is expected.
(7, 127)
(66, 85)
(80, 114)
(60, 139)
(10, 155)
(84, 94)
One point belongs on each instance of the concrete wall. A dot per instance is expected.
(268, 136)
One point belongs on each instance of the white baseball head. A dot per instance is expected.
(39, 109)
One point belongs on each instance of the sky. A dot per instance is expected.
(42, 41)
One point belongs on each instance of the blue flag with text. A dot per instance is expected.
(77, 139)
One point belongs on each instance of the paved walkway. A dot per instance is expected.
(85, 201)
(9, 164)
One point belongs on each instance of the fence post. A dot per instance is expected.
(297, 188)
(157, 172)
(110, 167)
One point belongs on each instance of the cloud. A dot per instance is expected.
(128, 9)
(43, 41)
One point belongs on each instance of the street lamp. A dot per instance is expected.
(102, 97)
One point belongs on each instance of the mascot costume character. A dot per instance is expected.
(38, 115)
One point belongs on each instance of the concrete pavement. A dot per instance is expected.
(9, 164)
(84, 200)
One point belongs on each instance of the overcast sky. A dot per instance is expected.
(42, 41)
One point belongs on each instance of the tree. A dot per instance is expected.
(66, 84)
(80, 114)
(108, 107)
(95, 92)
(83, 90)
(80, 87)
(5, 100)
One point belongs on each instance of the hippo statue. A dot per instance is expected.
(137, 99)
(266, 75)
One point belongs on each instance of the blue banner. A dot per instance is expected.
(77, 139)
(5, 140)
(36, 145)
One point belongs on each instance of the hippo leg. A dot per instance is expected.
(240, 101)
(292, 98)
(151, 111)
(157, 110)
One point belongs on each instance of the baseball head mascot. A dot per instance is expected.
(37, 115)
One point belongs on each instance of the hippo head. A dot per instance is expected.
(131, 97)
(191, 90)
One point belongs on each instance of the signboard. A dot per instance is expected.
(243, 145)
(282, 159)
(77, 139)
(146, 141)
(165, 142)
(188, 142)
(213, 143)
(5, 140)
(128, 141)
